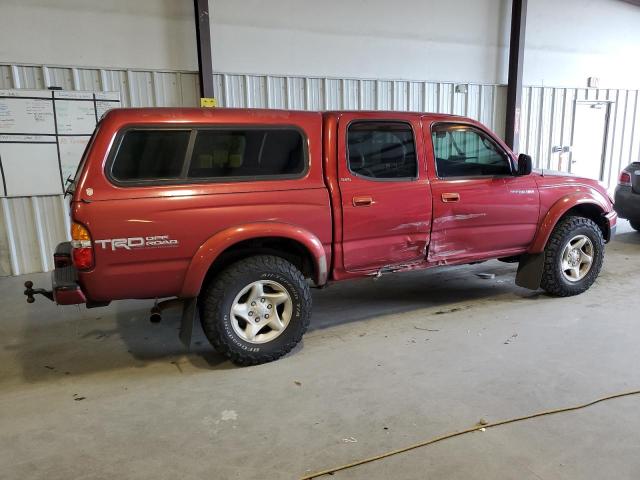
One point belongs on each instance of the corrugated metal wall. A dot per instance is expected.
(547, 121)
(31, 227)
(482, 102)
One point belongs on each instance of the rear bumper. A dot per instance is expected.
(66, 290)
(64, 278)
(627, 203)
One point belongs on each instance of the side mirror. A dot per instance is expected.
(525, 164)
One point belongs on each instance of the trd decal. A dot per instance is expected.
(131, 243)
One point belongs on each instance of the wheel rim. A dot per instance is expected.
(261, 311)
(577, 258)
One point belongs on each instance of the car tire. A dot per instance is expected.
(565, 268)
(635, 225)
(256, 310)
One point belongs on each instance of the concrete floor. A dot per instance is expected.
(102, 393)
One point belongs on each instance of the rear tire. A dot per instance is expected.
(573, 257)
(635, 225)
(256, 310)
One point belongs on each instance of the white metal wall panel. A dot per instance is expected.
(308, 93)
(33, 226)
(30, 228)
(188, 86)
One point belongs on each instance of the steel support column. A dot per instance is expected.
(203, 38)
(516, 61)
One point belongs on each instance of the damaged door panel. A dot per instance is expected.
(384, 191)
(480, 209)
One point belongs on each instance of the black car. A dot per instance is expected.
(628, 195)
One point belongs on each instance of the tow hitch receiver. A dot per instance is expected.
(30, 292)
(65, 288)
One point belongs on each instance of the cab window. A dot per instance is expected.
(465, 151)
(382, 150)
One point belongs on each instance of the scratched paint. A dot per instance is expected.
(449, 253)
(424, 226)
(458, 218)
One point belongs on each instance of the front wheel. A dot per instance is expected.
(256, 310)
(573, 257)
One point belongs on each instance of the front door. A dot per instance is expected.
(384, 190)
(480, 208)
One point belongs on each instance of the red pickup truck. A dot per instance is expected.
(236, 213)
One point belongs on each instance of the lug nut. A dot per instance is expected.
(251, 314)
(266, 315)
(253, 304)
(257, 319)
(269, 306)
(262, 300)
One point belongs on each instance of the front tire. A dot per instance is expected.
(573, 257)
(256, 310)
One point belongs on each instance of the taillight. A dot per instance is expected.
(625, 179)
(82, 250)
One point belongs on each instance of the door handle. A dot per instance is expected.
(450, 197)
(362, 201)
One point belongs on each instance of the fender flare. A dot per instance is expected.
(218, 243)
(557, 211)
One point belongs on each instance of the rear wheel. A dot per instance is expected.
(256, 310)
(635, 225)
(573, 257)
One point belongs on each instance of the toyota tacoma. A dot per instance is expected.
(237, 213)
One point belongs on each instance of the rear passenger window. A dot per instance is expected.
(150, 155)
(247, 153)
(382, 150)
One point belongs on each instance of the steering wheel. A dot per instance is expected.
(361, 160)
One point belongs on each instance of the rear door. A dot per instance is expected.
(384, 191)
(480, 208)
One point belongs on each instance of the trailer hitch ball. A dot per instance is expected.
(29, 291)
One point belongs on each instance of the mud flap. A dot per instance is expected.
(530, 271)
(188, 319)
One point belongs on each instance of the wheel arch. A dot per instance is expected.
(580, 204)
(297, 245)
